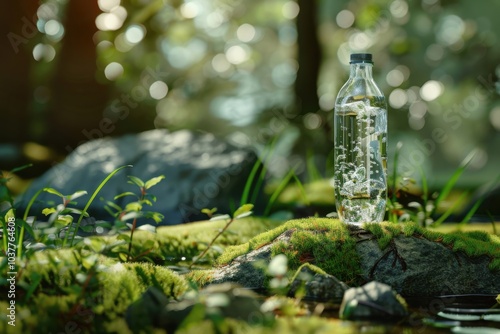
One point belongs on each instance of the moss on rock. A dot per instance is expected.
(331, 245)
(472, 243)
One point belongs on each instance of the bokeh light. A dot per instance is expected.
(495, 117)
(158, 90)
(398, 98)
(345, 19)
(45, 52)
(246, 32)
(237, 54)
(135, 33)
(113, 71)
(111, 21)
(220, 63)
(190, 10)
(108, 5)
(312, 121)
(431, 90)
(290, 10)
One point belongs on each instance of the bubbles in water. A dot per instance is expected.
(360, 182)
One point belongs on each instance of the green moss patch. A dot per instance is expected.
(330, 245)
(321, 241)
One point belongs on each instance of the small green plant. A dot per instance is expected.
(133, 211)
(424, 212)
(9, 211)
(243, 211)
(60, 218)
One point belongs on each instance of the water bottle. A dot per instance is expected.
(360, 130)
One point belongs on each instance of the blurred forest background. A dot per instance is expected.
(73, 70)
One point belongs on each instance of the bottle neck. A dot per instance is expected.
(361, 71)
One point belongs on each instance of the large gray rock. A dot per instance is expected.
(200, 171)
(413, 266)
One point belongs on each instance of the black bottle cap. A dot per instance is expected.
(357, 58)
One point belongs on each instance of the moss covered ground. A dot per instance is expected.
(88, 291)
(79, 289)
(329, 244)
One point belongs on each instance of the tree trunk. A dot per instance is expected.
(309, 58)
(76, 111)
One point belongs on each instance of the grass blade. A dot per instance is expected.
(90, 202)
(450, 210)
(492, 222)
(454, 178)
(278, 190)
(248, 183)
(479, 201)
(302, 190)
(312, 170)
(395, 172)
(251, 176)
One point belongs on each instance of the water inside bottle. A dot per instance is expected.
(361, 160)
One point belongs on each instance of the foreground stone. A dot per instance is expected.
(413, 261)
(200, 171)
(373, 300)
(216, 302)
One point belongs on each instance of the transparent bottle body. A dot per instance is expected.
(360, 130)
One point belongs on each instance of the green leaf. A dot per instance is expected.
(114, 206)
(89, 261)
(147, 227)
(149, 244)
(154, 181)
(75, 211)
(135, 180)
(96, 245)
(220, 217)
(64, 220)
(133, 206)
(146, 201)
(150, 197)
(131, 215)
(10, 215)
(35, 279)
(76, 194)
(89, 202)
(157, 217)
(243, 211)
(28, 228)
(123, 236)
(128, 193)
(53, 191)
(209, 212)
(18, 169)
(48, 211)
